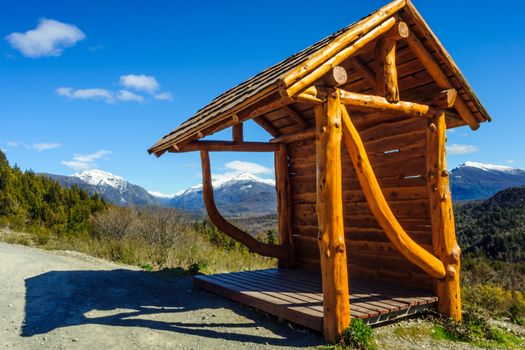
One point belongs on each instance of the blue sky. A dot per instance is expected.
(119, 75)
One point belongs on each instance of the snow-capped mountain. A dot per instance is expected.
(112, 188)
(473, 180)
(238, 194)
(101, 178)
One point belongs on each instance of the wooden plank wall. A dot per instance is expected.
(396, 148)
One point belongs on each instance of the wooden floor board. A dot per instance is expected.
(296, 295)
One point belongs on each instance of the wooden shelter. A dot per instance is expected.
(358, 123)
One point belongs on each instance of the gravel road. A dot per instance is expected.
(67, 300)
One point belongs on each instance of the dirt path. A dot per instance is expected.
(67, 300)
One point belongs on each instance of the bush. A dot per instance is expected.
(358, 336)
(473, 327)
(495, 301)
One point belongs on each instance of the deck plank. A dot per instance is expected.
(296, 295)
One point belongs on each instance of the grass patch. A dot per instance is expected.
(416, 331)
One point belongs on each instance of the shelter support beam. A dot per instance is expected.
(444, 241)
(376, 103)
(226, 146)
(379, 206)
(331, 240)
(284, 205)
(342, 42)
(237, 133)
(386, 74)
(270, 250)
(337, 59)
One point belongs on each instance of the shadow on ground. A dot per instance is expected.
(141, 299)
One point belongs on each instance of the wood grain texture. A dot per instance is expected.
(329, 209)
(379, 206)
(338, 58)
(284, 206)
(443, 231)
(296, 295)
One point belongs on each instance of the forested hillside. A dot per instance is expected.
(494, 227)
(31, 200)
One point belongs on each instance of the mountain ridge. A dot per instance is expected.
(475, 181)
(245, 193)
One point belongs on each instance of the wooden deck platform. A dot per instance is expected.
(296, 295)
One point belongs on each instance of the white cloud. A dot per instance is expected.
(510, 161)
(44, 146)
(457, 148)
(77, 165)
(14, 144)
(86, 161)
(125, 95)
(50, 38)
(162, 195)
(140, 82)
(86, 94)
(248, 167)
(164, 96)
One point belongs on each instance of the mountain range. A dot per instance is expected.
(473, 181)
(246, 194)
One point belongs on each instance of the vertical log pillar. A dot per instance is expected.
(237, 133)
(386, 74)
(336, 302)
(443, 231)
(284, 205)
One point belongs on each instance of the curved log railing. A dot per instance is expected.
(379, 206)
(270, 250)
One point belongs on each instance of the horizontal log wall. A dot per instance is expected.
(397, 152)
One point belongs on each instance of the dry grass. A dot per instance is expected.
(154, 239)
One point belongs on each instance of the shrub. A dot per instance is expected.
(495, 301)
(358, 336)
(473, 327)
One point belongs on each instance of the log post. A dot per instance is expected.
(386, 74)
(284, 205)
(444, 241)
(332, 248)
(237, 133)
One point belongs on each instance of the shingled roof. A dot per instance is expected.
(266, 83)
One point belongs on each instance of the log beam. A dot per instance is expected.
(379, 206)
(237, 133)
(337, 59)
(296, 136)
(227, 146)
(331, 240)
(342, 42)
(368, 75)
(266, 125)
(376, 103)
(337, 76)
(223, 225)
(284, 205)
(437, 73)
(445, 100)
(296, 117)
(444, 242)
(386, 74)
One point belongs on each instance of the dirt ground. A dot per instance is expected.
(67, 300)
